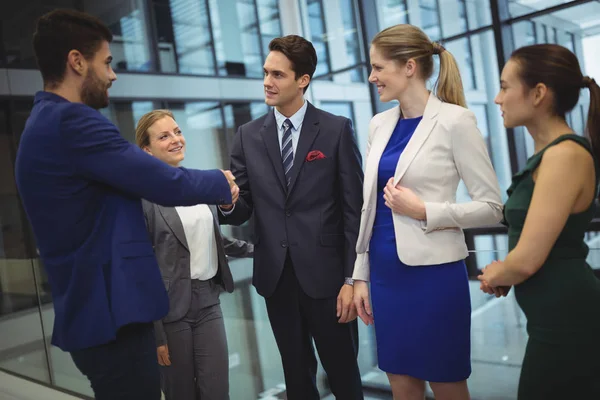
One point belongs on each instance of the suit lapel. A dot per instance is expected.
(419, 137)
(308, 134)
(269, 133)
(380, 139)
(172, 219)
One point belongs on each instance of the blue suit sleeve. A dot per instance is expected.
(99, 152)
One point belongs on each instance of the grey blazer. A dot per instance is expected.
(173, 256)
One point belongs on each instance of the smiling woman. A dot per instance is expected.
(159, 135)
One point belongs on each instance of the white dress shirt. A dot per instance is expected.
(297, 119)
(199, 229)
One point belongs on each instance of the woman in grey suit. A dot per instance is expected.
(191, 254)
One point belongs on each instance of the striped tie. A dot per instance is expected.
(287, 152)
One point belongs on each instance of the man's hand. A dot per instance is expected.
(163, 355)
(229, 176)
(235, 191)
(346, 312)
(361, 302)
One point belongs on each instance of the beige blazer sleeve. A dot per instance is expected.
(475, 169)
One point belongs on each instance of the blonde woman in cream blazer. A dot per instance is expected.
(411, 245)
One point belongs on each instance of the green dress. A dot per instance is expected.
(561, 301)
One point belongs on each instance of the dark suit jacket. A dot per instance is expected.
(172, 252)
(81, 184)
(317, 218)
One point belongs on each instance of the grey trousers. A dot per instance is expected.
(198, 351)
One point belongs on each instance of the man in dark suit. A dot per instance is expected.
(299, 171)
(81, 185)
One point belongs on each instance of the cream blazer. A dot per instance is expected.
(445, 148)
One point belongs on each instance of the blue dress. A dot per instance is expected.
(422, 313)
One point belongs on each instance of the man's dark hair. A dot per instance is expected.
(299, 51)
(60, 31)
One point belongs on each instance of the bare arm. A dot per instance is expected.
(564, 174)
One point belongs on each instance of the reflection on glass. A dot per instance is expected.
(438, 18)
(125, 18)
(459, 16)
(184, 36)
(269, 20)
(126, 114)
(343, 108)
(22, 279)
(319, 38)
(130, 47)
(462, 52)
(518, 8)
(392, 12)
(335, 35)
(430, 19)
(237, 38)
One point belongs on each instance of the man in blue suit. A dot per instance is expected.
(81, 185)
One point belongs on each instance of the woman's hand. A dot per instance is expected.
(361, 301)
(404, 201)
(488, 280)
(163, 355)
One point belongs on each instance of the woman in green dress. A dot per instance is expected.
(551, 202)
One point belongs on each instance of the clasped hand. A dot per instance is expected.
(488, 280)
(235, 190)
(403, 201)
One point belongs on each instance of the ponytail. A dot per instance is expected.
(593, 121)
(449, 87)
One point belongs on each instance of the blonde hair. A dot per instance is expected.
(403, 42)
(142, 138)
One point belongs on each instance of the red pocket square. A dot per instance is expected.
(315, 155)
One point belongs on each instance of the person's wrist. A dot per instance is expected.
(349, 281)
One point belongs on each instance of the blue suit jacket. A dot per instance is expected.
(81, 184)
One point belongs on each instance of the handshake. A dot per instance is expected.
(235, 190)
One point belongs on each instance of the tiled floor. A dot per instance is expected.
(13, 388)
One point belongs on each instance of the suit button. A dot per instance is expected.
(288, 213)
(284, 244)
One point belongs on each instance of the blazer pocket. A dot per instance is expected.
(332, 240)
(136, 249)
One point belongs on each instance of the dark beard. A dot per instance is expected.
(93, 92)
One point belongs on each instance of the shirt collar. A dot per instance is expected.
(296, 119)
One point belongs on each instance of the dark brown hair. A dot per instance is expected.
(558, 68)
(60, 31)
(403, 42)
(299, 51)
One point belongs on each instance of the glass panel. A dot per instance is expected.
(481, 82)
(343, 108)
(459, 16)
(517, 8)
(237, 38)
(339, 46)
(461, 49)
(22, 279)
(576, 28)
(125, 18)
(270, 26)
(318, 34)
(126, 114)
(184, 37)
